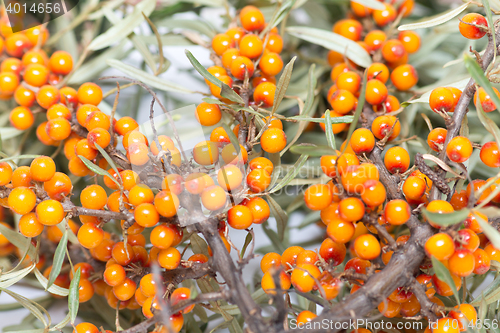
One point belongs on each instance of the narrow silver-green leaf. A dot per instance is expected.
(98, 170)
(54, 289)
(280, 215)
(448, 218)
(19, 157)
(312, 150)
(74, 295)
(248, 239)
(58, 260)
(149, 79)
(491, 24)
(333, 41)
(278, 16)
(330, 137)
(198, 244)
(478, 75)
(226, 91)
(359, 109)
(489, 124)
(335, 120)
(435, 20)
(291, 174)
(373, 4)
(282, 85)
(490, 232)
(443, 274)
(124, 27)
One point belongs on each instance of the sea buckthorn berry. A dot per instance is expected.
(493, 253)
(61, 63)
(477, 184)
(375, 39)
(393, 50)
(213, 197)
(258, 180)
(86, 328)
(69, 97)
(235, 33)
(83, 112)
(383, 125)
(340, 68)
(465, 315)
(410, 41)
(181, 294)
(307, 257)
(397, 160)
(97, 119)
(5, 173)
(206, 153)
(12, 65)
(42, 169)
(461, 263)
(473, 26)
(261, 163)
(444, 289)
(304, 277)
(271, 64)
(400, 295)
(378, 71)
(336, 128)
(100, 137)
(351, 209)
(29, 226)
(481, 261)
(318, 197)
(240, 66)
(389, 308)
(239, 217)
(125, 125)
(146, 215)
(137, 153)
(89, 93)
(166, 203)
(353, 179)
(328, 165)
(8, 83)
(140, 194)
(343, 102)
(270, 260)
(269, 286)
(16, 44)
(340, 231)
(404, 77)
(208, 114)
(58, 129)
(219, 44)
(348, 28)
(273, 140)
(231, 156)
(442, 100)
(93, 197)
(446, 324)
(125, 290)
(173, 183)
(166, 144)
(122, 253)
(274, 43)
(169, 258)
(359, 10)
(440, 246)
(41, 134)
(229, 177)
(21, 118)
(411, 307)
(256, 80)
(397, 212)
(468, 239)
(349, 81)
(36, 75)
(58, 111)
(50, 212)
(162, 236)
(114, 275)
(90, 236)
(113, 202)
(376, 92)
(35, 57)
(390, 104)
(251, 18)
(490, 154)
(264, 93)
(485, 99)
(251, 46)
(459, 149)
(289, 256)
(384, 16)
(304, 317)
(24, 96)
(84, 149)
(436, 138)
(259, 208)
(345, 161)
(414, 188)
(367, 247)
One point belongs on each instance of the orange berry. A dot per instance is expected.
(304, 277)
(273, 140)
(485, 99)
(336, 128)
(348, 28)
(490, 154)
(114, 275)
(393, 50)
(21, 118)
(397, 212)
(384, 16)
(340, 231)
(397, 160)
(264, 93)
(58, 129)
(373, 193)
(36, 75)
(125, 125)
(169, 258)
(378, 71)
(461, 263)
(86, 328)
(440, 246)
(382, 125)
(414, 188)
(42, 169)
(459, 149)
(213, 197)
(93, 197)
(481, 261)
(376, 92)
(337, 70)
(360, 11)
(229, 177)
(259, 208)
(208, 114)
(29, 226)
(343, 101)
(251, 46)
(404, 77)
(206, 153)
(351, 209)
(318, 197)
(166, 203)
(375, 39)
(271, 64)
(239, 217)
(367, 247)
(24, 96)
(442, 99)
(251, 18)
(235, 33)
(436, 138)
(97, 119)
(270, 260)
(90, 236)
(468, 26)
(410, 41)
(270, 287)
(50, 212)
(89, 93)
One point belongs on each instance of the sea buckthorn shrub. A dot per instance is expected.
(369, 173)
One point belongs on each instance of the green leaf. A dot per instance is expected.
(11, 278)
(282, 85)
(478, 75)
(54, 289)
(333, 41)
(330, 137)
(198, 25)
(278, 16)
(373, 4)
(248, 239)
(124, 27)
(490, 232)
(435, 20)
(109, 160)
(199, 245)
(291, 174)
(226, 91)
(275, 158)
(447, 219)
(312, 150)
(58, 260)
(97, 169)
(149, 79)
(143, 49)
(73, 296)
(36, 309)
(359, 109)
(273, 237)
(19, 157)
(443, 274)
(335, 120)
(280, 215)
(233, 139)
